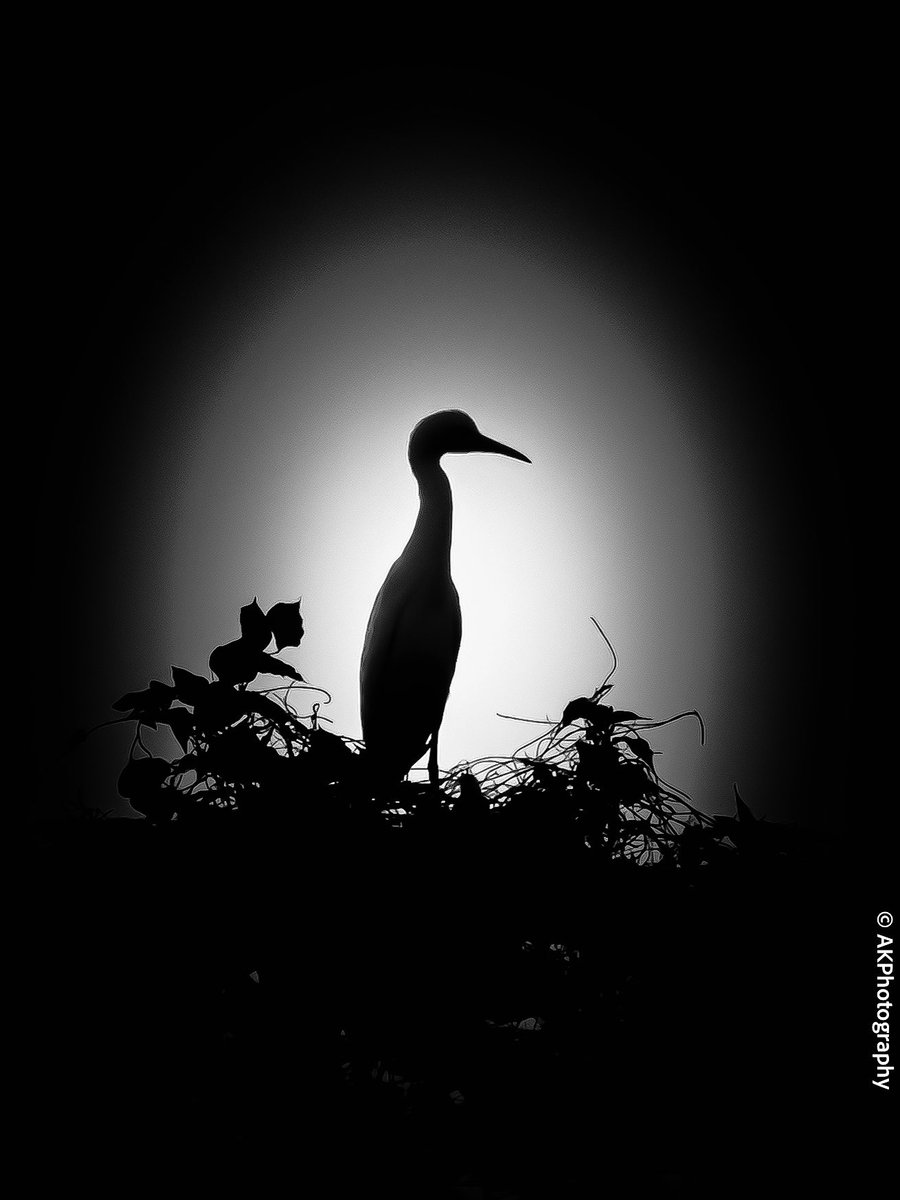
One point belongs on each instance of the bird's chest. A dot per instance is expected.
(430, 626)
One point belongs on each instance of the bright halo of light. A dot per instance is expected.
(301, 394)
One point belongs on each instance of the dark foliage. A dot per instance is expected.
(587, 784)
(549, 970)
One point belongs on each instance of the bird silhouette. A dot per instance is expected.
(414, 631)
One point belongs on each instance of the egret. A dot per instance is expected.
(414, 631)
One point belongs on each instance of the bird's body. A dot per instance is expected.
(414, 631)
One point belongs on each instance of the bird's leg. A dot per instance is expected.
(433, 762)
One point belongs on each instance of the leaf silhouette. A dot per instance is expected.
(189, 688)
(584, 707)
(235, 662)
(255, 629)
(149, 705)
(274, 666)
(286, 624)
(242, 660)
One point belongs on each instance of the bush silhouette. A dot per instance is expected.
(591, 777)
(467, 961)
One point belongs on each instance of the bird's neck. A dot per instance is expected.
(434, 525)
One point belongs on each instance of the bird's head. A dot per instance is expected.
(453, 432)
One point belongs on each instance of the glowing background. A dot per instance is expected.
(258, 437)
(294, 479)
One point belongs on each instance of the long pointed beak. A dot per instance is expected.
(487, 445)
